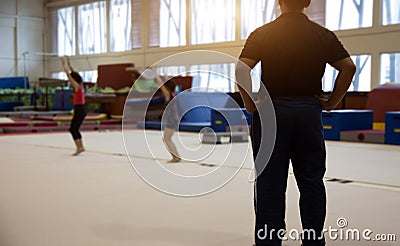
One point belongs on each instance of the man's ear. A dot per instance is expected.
(306, 3)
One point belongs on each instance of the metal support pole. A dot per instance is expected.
(341, 15)
(24, 56)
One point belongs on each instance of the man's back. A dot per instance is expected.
(294, 53)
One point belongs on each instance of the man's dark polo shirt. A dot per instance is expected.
(293, 52)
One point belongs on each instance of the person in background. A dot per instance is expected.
(80, 109)
(170, 115)
(293, 52)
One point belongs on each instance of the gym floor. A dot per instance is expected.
(48, 197)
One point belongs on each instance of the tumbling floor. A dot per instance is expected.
(48, 197)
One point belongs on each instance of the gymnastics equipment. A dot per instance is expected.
(335, 121)
(392, 128)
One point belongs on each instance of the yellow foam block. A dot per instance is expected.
(90, 117)
(378, 126)
(117, 117)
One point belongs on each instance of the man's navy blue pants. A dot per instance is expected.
(299, 139)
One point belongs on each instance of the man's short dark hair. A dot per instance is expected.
(297, 4)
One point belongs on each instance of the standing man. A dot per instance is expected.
(293, 52)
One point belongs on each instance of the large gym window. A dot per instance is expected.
(346, 14)
(256, 13)
(390, 12)
(390, 64)
(166, 23)
(59, 75)
(172, 71)
(362, 78)
(92, 28)
(66, 31)
(120, 25)
(210, 77)
(172, 23)
(212, 21)
(89, 76)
